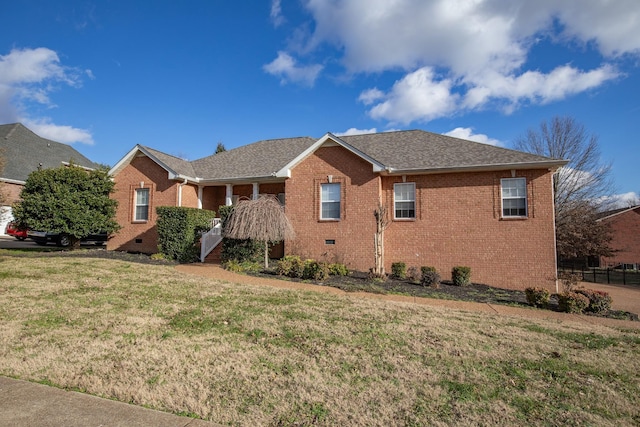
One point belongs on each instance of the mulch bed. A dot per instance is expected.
(360, 282)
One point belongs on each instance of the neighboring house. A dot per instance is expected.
(451, 201)
(625, 233)
(24, 152)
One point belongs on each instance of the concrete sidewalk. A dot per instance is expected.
(25, 404)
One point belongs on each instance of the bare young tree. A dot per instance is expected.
(581, 188)
(262, 219)
(382, 222)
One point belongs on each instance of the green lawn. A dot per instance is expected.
(246, 355)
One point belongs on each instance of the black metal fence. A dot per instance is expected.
(616, 276)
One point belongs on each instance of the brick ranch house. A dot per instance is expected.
(451, 201)
(24, 152)
(625, 232)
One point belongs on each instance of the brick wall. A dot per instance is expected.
(458, 222)
(11, 192)
(141, 236)
(625, 230)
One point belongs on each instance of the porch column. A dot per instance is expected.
(256, 192)
(200, 189)
(229, 199)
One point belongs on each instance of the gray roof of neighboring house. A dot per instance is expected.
(420, 150)
(24, 151)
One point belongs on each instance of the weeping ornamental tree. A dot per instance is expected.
(263, 220)
(581, 188)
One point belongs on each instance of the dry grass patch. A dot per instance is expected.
(246, 355)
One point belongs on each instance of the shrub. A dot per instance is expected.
(430, 277)
(315, 270)
(242, 266)
(413, 274)
(337, 269)
(599, 301)
(179, 230)
(399, 270)
(569, 281)
(290, 266)
(461, 276)
(537, 297)
(572, 302)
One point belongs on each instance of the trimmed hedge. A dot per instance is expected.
(179, 231)
(461, 276)
(399, 270)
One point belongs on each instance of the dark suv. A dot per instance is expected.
(44, 237)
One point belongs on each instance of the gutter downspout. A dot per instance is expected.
(180, 192)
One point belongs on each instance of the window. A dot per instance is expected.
(142, 205)
(330, 201)
(514, 197)
(404, 196)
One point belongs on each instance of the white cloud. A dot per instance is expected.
(467, 133)
(480, 49)
(623, 200)
(29, 76)
(276, 13)
(288, 70)
(417, 96)
(355, 131)
(58, 133)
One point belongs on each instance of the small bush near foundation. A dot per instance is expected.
(599, 301)
(569, 281)
(461, 276)
(290, 266)
(572, 302)
(413, 274)
(430, 277)
(315, 270)
(537, 297)
(399, 270)
(242, 266)
(338, 269)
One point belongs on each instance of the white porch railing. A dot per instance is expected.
(210, 239)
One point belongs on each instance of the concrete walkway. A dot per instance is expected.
(25, 404)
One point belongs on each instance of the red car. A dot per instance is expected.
(12, 230)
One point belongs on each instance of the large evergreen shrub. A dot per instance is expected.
(179, 231)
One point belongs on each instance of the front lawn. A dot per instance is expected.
(248, 355)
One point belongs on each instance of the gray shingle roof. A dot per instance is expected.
(24, 151)
(260, 159)
(417, 149)
(399, 151)
(178, 165)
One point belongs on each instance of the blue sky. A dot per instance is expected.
(182, 76)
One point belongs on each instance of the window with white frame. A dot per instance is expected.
(329, 201)
(514, 197)
(404, 200)
(142, 205)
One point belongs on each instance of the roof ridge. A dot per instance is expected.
(13, 129)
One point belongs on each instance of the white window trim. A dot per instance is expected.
(401, 201)
(339, 201)
(136, 205)
(503, 198)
